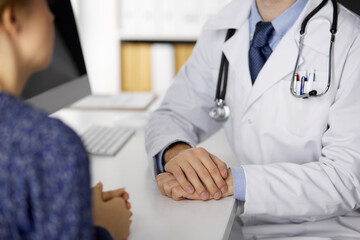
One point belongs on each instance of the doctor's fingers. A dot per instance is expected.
(174, 167)
(210, 177)
(221, 165)
(178, 193)
(216, 167)
(169, 186)
(167, 183)
(198, 166)
(192, 176)
(216, 177)
(163, 178)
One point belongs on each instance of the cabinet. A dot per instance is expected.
(168, 29)
(165, 30)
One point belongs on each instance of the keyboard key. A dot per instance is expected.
(106, 140)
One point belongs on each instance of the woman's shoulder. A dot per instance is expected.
(28, 129)
(44, 162)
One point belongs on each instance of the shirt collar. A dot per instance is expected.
(282, 23)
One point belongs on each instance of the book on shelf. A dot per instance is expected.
(135, 67)
(151, 66)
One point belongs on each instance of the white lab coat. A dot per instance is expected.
(301, 157)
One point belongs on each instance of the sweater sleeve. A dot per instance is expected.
(44, 177)
(59, 191)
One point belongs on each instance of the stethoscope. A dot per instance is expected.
(221, 110)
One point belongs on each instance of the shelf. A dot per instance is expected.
(157, 37)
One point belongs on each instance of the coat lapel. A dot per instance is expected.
(239, 62)
(280, 64)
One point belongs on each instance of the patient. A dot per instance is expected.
(44, 168)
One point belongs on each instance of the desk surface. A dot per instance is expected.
(155, 216)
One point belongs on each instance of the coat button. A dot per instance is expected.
(250, 121)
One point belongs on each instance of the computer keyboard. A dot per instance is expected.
(106, 140)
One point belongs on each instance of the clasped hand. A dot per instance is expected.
(111, 210)
(194, 173)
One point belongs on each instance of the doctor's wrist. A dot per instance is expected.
(173, 150)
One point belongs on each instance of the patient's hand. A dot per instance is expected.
(107, 196)
(112, 215)
(170, 187)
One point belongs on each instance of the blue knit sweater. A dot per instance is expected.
(44, 177)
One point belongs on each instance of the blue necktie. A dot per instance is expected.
(260, 50)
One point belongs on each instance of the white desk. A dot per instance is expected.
(155, 216)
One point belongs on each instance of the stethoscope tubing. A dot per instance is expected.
(223, 72)
(224, 64)
(333, 31)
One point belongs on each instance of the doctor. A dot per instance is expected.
(299, 157)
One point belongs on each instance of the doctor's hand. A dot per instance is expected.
(196, 168)
(171, 188)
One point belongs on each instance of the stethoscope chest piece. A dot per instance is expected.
(220, 112)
